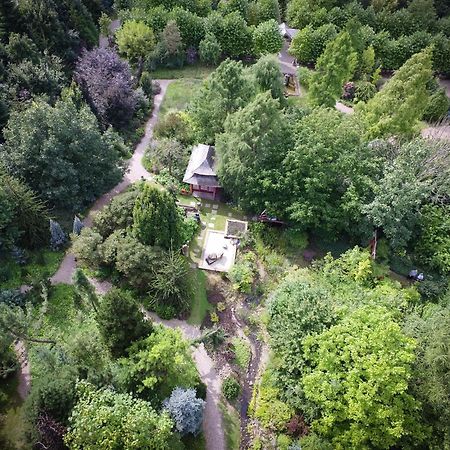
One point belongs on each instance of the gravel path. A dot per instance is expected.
(135, 172)
(212, 418)
(212, 421)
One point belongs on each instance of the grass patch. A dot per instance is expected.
(41, 263)
(231, 425)
(178, 95)
(198, 71)
(242, 351)
(63, 319)
(200, 306)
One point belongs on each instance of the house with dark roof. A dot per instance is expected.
(201, 173)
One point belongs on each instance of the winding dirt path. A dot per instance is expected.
(212, 419)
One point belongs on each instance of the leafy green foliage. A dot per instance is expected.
(132, 259)
(308, 44)
(267, 38)
(328, 173)
(190, 26)
(430, 384)
(48, 153)
(434, 241)
(251, 151)
(234, 36)
(438, 105)
(396, 109)
(157, 365)
(224, 92)
(334, 67)
(242, 274)
(116, 215)
(121, 322)
(210, 49)
(359, 380)
(268, 76)
(417, 171)
(111, 420)
(156, 218)
(298, 308)
(170, 155)
(266, 406)
(135, 40)
(231, 388)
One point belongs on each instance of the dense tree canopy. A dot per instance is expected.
(41, 148)
(111, 420)
(396, 109)
(156, 218)
(251, 150)
(106, 83)
(121, 322)
(158, 364)
(225, 91)
(368, 360)
(334, 67)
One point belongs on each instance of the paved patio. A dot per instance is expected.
(215, 242)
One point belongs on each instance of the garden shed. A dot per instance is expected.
(201, 173)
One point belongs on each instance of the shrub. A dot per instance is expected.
(434, 242)
(157, 219)
(349, 91)
(272, 413)
(267, 38)
(85, 247)
(12, 297)
(438, 105)
(304, 76)
(242, 352)
(165, 312)
(210, 50)
(186, 410)
(364, 91)
(121, 321)
(146, 84)
(116, 215)
(242, 274)
(231, 388)
(175, 125)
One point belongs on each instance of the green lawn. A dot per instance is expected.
(43, 262)
(231, 424)
(196, 71)
(62, 320)
(201, 306)
(178, 95)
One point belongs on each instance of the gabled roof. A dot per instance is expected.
(287, 32)
(201, 167)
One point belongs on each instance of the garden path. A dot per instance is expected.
(135, 172)
(212, 419)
